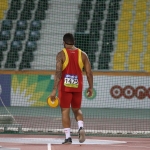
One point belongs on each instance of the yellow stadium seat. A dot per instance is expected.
(137, 47)
(123, 26)
(147, 68)
(148, 26)
(148, 47)
(134, 58)
(119, 58)
(141, 5)
(146, 58)
(138, 26)
(134, 67)
(126, 16)
(126, 6)
(140, 16)
(122, 47)
(148, 37)
(137, 37)
(118, 67)
(4, 4)
(123, 36)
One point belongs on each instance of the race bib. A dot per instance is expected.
(71, 81)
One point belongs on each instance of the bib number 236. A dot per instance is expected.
(71, 81)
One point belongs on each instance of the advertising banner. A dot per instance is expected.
(118, 92)
(30, 90)
(5, 88)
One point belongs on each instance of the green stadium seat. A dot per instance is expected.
(31, 46)
(6, 25)
(40, 15)
(21, 25)
(3, 46)
(15, 5)
(35, 25)
(29, 5)
(42, 5)
(5, 35)
(24, 65)
(27, 56)
(25, 15)
(107, 47)
(108, 37)
(10, 65)
(19, 35)
(1, 56)
(16, 46)
(12, 14)
(12, 57)
(34, 35)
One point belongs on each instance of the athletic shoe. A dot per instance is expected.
(81, 134)
(67, 141)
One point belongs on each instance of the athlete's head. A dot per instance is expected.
(68, 40)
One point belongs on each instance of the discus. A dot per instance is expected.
(53, 104)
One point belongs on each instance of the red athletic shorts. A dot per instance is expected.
(68, 99)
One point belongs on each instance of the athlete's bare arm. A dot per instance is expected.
(89, 74)
(58, 74)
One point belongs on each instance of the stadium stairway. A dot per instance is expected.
(61, 18)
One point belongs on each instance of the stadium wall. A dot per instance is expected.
(111, 89)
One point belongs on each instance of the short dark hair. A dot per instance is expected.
(68, 39)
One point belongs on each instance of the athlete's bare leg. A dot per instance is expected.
(66, 117)
(77, 114)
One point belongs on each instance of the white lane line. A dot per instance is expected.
(49, 146)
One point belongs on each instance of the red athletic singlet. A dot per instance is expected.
(72, 80)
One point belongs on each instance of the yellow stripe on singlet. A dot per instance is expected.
(67, 59)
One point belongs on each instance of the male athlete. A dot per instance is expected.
(69, 82)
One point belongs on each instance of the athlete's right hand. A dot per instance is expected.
(89, 92)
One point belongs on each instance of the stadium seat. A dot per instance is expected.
(40, 15)
(21, 25)
(118, 67)
(128, 5)
(12, 14)
(31, 46)
(86, 6)
(6, 25)
(146, 59)
(107, 47)
(25, 15)
(12, 57)
(122, 47)
(123, 26)
(138, 26)
(98, 16)
(16, 46)
(92, 47)
(35, 25)
(148, 47)
(123, 36)
(140, 16)
(137, 47)
(126, 16)
(3, 46)
(24, 65)
(147, 67)
(141, 6)
(134, 58)
(95, 28)
(134, 67)
(10, 65)
(29, 5)
(108, 37)
(119, 58)
(34, 35)
(137, 36)
(109, 26)
(43, 5)
(5, 35)
(1, 56)
(15, 5)
(112, 15)
(27, 57)
(19, 35)
(104, 58)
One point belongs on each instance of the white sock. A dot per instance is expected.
(67, 132)
(80, 124)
